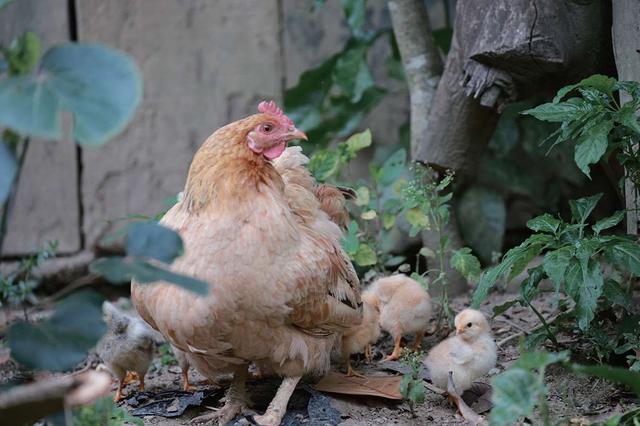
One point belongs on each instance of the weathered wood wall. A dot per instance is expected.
(205, 63)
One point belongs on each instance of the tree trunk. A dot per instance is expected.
(626, 47)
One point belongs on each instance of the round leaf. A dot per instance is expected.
(154, 241)
(101, 86)
(62, 341)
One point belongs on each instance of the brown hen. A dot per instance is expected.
(281, 287)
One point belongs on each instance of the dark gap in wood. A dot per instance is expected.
(283, 56)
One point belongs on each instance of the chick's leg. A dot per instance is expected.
(351, 372)
(278, 406)
(119, 395)
(396, 350)
(418, 343)
(236, 400)
(368, 353)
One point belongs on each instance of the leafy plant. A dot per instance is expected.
(595, 122)
(412, 386)
(17, 287)
(167, 357)
(575, 256)
(330, 100)
(521, 388)
(103, 412)
(426, 208)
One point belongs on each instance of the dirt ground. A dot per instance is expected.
(572, 400)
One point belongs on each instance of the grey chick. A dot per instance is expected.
(184, 364)
(127, 347)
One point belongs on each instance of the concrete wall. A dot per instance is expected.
(205, 63)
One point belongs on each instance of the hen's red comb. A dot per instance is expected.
(270, 107)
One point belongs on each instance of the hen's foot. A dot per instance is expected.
(186, 386)
(223, 415)
(278, 406)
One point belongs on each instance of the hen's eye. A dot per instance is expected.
(469, 325)
(267, 128)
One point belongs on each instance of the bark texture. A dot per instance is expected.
(506, 50)
(626, 46)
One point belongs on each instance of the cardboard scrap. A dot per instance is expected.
(381, 386)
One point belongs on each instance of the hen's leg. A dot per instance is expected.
(396, 350)
(235, 401)
(278, 406)
(186, 386)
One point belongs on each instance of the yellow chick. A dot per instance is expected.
(404, 306)
(360, 338)
(469, 354)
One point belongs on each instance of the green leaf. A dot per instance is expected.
(405, 385)
(544, 223)
(597, 81)
(614, 374)
(368, 215)
(101, 86)
(555, 264)
(358, 142)
(350, 243)
(557, 112)
(614, 293)
(416, 218)
(62, 341)
(582, 207)
(628, 117)
(365, 256)
(8, 170)
(417, 392)
(154, 241)
(625, 255)
(592, 145)
(515, 394)
(540, 359)
(584, 283)
(324, 164)
(466, 263)
(388, 220)
(118, 270)
(608, 222)
(352, 74)
(482, 218)
(355, 10)
(362, 196)
(501, 309)
(529, 287)
(393, 167)
(395, 261)
(427, 252)
(23, 54)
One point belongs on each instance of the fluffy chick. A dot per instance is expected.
(127, 346)
(360, 338)
(404, 306)
(469, 354)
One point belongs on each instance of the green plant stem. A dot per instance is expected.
(546, 326)
(8, 205)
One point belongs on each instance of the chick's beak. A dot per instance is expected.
(296, 134)
(459, 330)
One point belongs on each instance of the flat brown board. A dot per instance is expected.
(204, 63)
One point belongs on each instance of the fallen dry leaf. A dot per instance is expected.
(467, 413)
(381, 386)
(479, 397)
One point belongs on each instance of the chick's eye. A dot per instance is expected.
(469, 325)
(267, 128)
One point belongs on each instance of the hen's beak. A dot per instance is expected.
(296, 134)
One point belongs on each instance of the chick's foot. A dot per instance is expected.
(223, 415)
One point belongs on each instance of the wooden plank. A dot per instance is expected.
(47, 204)
(205, 63)
(626, 46)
